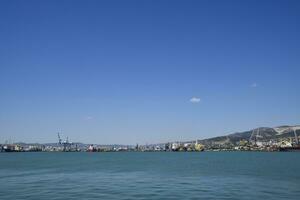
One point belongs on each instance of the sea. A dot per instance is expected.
(150, 175)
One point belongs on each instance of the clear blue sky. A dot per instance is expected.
(146, 71)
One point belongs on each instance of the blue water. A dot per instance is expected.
(163, 175)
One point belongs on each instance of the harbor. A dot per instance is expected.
(256, 142)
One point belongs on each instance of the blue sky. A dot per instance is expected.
(146, 71)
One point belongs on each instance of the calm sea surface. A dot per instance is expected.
(164, 175)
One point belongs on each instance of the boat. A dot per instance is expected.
(292, 148)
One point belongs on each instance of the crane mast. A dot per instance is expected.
(296, 136)
(59, 139)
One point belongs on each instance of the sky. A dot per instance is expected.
(127, 72)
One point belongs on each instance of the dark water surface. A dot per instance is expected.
(161, 175)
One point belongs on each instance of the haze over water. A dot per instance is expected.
(136, 175)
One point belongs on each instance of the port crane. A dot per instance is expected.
(296, 136)
(294, 130)
(256, 134)
(66, 144)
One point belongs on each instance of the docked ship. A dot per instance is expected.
(11, 148)
(292, 148)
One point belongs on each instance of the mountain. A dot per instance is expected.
(260, 134)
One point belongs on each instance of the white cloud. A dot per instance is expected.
(195, 100)
(254, 85)
(87, 118)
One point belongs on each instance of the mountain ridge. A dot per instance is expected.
(260, 134)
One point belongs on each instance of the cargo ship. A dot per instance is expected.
(292, 148)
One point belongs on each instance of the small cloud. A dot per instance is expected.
(254, 85)
(88, 118)
(195, 100)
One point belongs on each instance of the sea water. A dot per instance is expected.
(155, 175)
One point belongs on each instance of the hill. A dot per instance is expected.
(259, 134)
